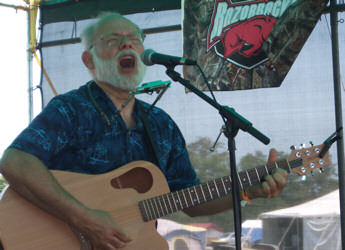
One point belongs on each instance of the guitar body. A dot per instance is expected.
(25, 226)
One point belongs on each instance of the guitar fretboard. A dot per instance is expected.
(169, 203)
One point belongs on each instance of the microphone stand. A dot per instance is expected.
(234, 122)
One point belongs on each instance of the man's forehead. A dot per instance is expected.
(116, 24)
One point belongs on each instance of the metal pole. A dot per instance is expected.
(155, 30)
(338, 114)
(29, 57)
(16, 7)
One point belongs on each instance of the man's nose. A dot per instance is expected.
(125, 42)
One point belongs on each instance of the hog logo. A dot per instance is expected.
(239, 28)
(246, 38)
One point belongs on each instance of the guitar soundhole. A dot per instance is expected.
(138, 178)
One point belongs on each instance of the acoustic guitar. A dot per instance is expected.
(135, 195)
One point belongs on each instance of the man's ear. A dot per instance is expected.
(87, 60)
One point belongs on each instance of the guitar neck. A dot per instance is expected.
(169, 203)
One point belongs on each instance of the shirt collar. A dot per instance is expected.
(104, 102)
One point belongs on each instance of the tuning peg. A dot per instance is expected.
(302, 146)
(321, 170)
(293, 147)
(311, 143)
(303, 177)
(311, 173)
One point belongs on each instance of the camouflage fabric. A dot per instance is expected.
(245, 44)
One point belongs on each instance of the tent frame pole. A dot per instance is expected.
(30, 72)
(338, 113)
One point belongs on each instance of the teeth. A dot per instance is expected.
(127, 57)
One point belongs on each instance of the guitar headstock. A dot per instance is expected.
(310, 159)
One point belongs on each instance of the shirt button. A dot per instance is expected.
(129, 132)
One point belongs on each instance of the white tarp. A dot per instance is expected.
(320, 220)
(327, 205)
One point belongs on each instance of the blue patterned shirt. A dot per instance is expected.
(70, 134)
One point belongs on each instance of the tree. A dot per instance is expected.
(208, 165)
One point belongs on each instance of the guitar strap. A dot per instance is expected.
(148, 132)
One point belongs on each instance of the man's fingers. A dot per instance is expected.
(272, 186)
(115, 242)
(280, 177)
(118, 243)
(119, 239)
(275, 183)
(121, 236)
(272, 156)
(266, 191)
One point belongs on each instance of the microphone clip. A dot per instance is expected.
(330, 140)
(150, 87)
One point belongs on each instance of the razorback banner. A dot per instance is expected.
(242, 44)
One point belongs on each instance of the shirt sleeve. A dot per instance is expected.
(180, 173)
(49, 132)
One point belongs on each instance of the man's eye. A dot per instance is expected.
(113, 39)
(135, 38)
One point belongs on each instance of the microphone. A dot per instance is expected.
(150, 57)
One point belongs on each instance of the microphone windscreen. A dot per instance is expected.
(146, 56)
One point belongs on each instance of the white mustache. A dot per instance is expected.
(127, 51)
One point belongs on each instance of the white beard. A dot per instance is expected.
(107, 71)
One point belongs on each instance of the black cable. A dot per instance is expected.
(209, 88)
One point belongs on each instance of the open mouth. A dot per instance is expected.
(127, 62)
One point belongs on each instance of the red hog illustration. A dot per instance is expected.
(246, 37)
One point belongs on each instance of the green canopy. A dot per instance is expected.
(75, 10)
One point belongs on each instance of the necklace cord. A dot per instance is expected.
(101, 112)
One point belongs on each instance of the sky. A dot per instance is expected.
(13, 68)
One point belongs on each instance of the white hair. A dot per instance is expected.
(87, 35)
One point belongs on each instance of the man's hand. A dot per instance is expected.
(273, 184)
(101, 231)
